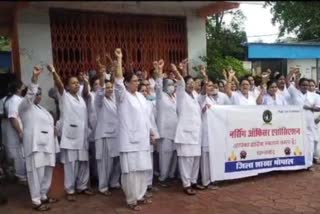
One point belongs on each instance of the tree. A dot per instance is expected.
(5, 44)
(225, 43)
(299, 17)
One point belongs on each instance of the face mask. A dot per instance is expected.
(151, 98)
(215, 91)
(170, 89)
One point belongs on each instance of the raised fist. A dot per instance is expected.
(118, 53)
(51, 68)
(37, 70)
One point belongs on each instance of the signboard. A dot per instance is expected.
(248, 140)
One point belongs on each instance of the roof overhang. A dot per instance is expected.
(179, 8)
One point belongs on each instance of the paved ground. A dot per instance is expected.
(278, 192)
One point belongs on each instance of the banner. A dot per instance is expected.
(248, 140)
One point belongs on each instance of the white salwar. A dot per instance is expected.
(219, 99)
(308, 99)
(134, 142)
(152, 120)
(167, 120)
(40, 145)
(15, 149)
(106, 141)
(188, 135)
(74, 143)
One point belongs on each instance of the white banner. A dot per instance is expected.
(248, 140)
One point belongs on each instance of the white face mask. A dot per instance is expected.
(215, 91)
(170, 89)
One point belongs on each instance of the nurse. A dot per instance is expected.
(302, 97)
(14, 130)
(270, 96)
(209, 97)
(40, 144)
(74, 132)
(106, 136)
(143, 89)
(167, 120)
(243, 96)
(134, 136)
(188, 133)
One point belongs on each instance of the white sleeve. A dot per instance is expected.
(293, 91)
(29, 98)
(98, 100)
(13, 108)
(180, 94)
(119, 90)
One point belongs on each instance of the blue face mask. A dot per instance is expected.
(151, 98)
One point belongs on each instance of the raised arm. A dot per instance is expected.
(32, 90)
(259, 99)
(86, 87)
(228, 85)
(288, 78)
(119, 72)
(56, 78)
(100, 91)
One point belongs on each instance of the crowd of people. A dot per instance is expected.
(125, 127)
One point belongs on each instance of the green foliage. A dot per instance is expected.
(225, 44)
(5, 44)
(299, 17)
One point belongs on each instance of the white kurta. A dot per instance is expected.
(106, 139)
(316, 130)
(167, 120)
(74, 143)
(308, 99)
(134, 142)
(278, 101)
(40, 145)
(188, 135)
(286, 95)
(14, 146)
(238, 98)
(219, 99)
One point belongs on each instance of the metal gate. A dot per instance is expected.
(78, 37)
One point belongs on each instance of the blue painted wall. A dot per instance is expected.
(283, 51)
(5, 59)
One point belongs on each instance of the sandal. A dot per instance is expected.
(212, 187)
(198, 187)
(105, 193)
(145, 201)
(189, 191)
(71, 197)
(148, 195)
(49, 201)
(41, 207)
(86, 192)
(134, 207)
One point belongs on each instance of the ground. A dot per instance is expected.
(276, 192)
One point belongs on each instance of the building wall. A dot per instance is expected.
(197, 42)
(35, 44)
(307, 67)
(35, 48)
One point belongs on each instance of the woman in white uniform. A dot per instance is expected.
(243, 95)
(155, 134)
(134, 136)
(106, 136)
(302, 97)
(209, 97)
(74, 132)
(15, 131)
(40, 144)
(167, 120)
(282, 88)
(270, 96)
(312, 90)
(188, 133)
